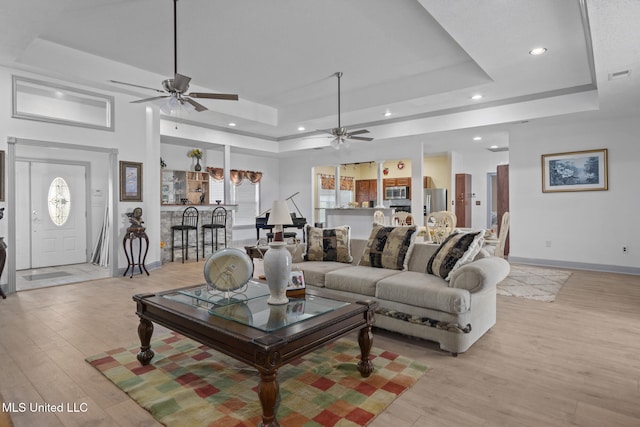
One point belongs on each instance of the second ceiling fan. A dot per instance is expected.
(175, 89)
(342, 136)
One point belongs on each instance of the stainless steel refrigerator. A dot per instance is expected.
(435, 199)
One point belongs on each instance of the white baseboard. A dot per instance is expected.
(576, 265)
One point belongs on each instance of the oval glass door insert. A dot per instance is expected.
(59, 201)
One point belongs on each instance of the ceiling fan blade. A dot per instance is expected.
(181, 83)
(360, 138)
(358, 132)
(225, 96)
(329, 131)
(150, 99)
(199, 107)
(134, 85)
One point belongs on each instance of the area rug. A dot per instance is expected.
(535, 283)
(189, 384)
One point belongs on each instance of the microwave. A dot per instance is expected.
(391, 193)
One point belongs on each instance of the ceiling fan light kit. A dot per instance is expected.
(175, 89)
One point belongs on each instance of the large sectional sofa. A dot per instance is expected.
(454, 313)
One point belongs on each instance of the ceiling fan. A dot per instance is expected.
(175, 89)
(342, 137)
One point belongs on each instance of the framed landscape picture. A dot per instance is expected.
(575, 171)
(130, 182)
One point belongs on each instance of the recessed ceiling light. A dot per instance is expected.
(477, 138)
(537, 51)
(476, 97)
(494, 146)
(232, 124)
(387, 113)
(301, 128)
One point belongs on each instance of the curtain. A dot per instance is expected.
(327, 182)
(216, 173)
(236, 176)
(346, 183)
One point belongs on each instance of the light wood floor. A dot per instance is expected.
(572, 362)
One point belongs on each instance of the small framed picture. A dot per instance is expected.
(296, 283)
(130, 182)
(575, 171)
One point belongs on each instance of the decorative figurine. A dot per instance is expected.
(135, 218)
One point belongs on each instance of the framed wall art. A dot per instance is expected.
(575, 171)
(130, 182)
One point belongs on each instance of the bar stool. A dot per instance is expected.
(218, 221)
(189, 222)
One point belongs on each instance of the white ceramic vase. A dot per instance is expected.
(277, 269)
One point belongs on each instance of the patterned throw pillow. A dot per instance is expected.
(329, 244)
(389, 247)
(458, 249)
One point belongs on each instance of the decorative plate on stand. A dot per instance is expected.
(228, 270)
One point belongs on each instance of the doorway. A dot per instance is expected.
(51, 221)
(492, 205)
(57, 198)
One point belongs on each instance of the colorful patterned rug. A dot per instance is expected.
(530, 282)
(188, 384)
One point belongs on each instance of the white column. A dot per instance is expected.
(337, 188)
(379, 195)
(226, 161)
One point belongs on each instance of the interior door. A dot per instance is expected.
(502, 172)
(58, 214)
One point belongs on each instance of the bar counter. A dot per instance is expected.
(359, 219)
(171, 214)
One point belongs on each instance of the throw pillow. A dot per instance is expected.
(457, 250)
(389, 247)
(329, 244)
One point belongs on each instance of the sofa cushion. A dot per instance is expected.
(328, 244)
(315, 271)
(457, 249)
(389, 247)
(357, 280)
(423, 290)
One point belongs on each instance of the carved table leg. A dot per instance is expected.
(365, 340)
(145, 330)
(268, 391)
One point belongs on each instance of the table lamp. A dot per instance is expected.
(278, 217)
(277, 260)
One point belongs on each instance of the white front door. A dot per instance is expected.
(58, 214)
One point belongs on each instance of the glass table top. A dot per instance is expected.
(250, 307)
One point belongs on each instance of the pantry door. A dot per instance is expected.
(58, 214)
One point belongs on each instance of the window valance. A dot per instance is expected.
(328, 182)
(236, 175)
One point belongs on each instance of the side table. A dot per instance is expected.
(139, 234)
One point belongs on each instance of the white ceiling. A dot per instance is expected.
(419, 59)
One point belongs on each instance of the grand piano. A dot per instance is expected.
(298, 222)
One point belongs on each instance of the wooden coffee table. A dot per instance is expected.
(248, 329)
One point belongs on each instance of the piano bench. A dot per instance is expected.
(285, 235)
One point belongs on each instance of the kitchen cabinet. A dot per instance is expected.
(397, 182)
(366, 190)
(428, 182)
